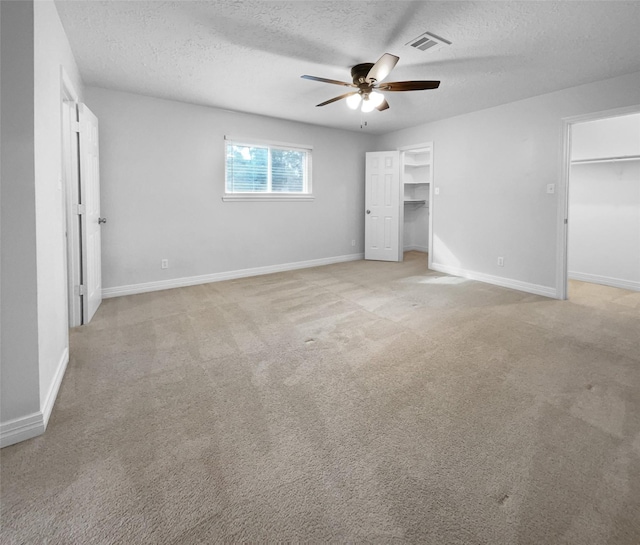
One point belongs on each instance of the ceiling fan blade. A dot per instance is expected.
(337, 98)
(381, 69)
(408, 85)
(383, 106)
(325, 80)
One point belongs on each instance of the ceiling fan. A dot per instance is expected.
(367, 78)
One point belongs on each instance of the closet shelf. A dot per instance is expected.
(417, 163)
(415, 201)
(606, 160)
(416, 183)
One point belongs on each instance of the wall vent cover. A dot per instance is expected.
(427, 41)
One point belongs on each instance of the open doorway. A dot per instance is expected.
(601, 246)
(416, 186)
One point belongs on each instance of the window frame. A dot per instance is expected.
(269, 195)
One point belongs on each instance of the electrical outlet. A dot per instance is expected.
(353, 243)
(164, 264)
(501, 262)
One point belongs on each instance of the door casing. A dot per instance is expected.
(70, 182)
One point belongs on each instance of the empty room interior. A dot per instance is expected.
(320, 271)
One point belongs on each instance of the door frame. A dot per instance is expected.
(402, 149)
(562, 243)
(69, 176)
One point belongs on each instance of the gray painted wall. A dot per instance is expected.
(492, 168)
(162, 179)
(19, 311)
(34, 323)
(52, 51)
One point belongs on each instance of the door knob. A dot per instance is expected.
(102, 220)
(368, 211)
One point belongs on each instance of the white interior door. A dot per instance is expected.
(382, 206)
(91, 221)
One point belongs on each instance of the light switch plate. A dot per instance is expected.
(551, 188)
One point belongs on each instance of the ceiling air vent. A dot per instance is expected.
(427, 40)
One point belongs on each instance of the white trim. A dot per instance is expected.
(49, 401)
(605, 280)
(67, 85)
(21, 429)
(32, 425)
(424, 145)
(562, 238)
(228, 275)
(536, 289)
(562, 213)
(430, 207)
(69, 177)
(258, 141)
(272, 197)
(603, 114)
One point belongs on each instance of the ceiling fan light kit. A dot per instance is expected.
(367, 78)
(354, 101)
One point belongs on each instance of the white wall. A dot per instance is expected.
(52, 51)
(18, 313)
(610, 137)
(162, 179)
(416, 227)
(34, 305)
(492, 168)
(604, 224)
(604, 203)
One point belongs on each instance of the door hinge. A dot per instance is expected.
(75, 126)
(566, 221)
(79, 209)
(80, 289)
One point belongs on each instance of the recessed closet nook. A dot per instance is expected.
(416, 177)
(604, 202)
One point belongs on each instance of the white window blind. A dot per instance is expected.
(266, 169)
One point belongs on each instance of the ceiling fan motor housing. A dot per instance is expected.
(359, 73)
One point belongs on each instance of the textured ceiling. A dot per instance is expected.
(248, 55)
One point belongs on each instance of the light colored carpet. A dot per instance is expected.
(359, 402)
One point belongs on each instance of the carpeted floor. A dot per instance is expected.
(362, 402)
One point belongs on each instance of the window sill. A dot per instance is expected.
(266, 197)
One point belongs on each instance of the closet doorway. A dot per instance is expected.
(398, 190)
(416, 191)
(602, 211)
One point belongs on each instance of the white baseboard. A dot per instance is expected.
(34, 424)
(47, 406)
(131, 289)
(21, 429)
(497, 280)
(416, 248)
(605, 280)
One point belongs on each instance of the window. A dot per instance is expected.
(266, 171)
